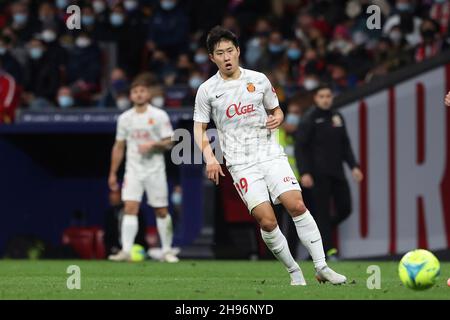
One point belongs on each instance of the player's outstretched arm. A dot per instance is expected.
(117, 154)
(213, 168)
(447, 99)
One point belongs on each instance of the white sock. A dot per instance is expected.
(309, 235)
(129, 231)
(276, 242)
(165, 230)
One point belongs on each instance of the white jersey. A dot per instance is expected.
(138, 128)
(238, 108)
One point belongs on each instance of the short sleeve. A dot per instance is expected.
(122, 132)
(165, 126)
(270, 98)
(202, 109)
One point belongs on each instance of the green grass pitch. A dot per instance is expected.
(202, 280)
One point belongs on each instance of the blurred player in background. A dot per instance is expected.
(239, 101)
(146, 131)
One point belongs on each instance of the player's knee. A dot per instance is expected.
(268, 224)
(161, 212)
(298, 208)
(131, 209)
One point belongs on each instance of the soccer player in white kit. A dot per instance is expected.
(245, 109)
(146, 132)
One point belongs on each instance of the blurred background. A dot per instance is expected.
(61, 91)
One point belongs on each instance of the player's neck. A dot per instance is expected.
(140, 108)
(235, 75)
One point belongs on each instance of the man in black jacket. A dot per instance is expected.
(322, 146)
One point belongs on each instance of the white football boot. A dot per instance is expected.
(297, 278)
(327, 274)
(120, 256)
(170, 257)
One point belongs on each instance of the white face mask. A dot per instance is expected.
(123, 103)
(99, 6)
(158, 102)
(83, 42)
(48, 35)
(310, 84)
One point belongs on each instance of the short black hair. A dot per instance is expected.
(322, 86)
(217, 34)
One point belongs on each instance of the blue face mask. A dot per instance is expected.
(200, 58)
(20, 18)
(87, 20)
(403, 7)
(275, 48)
(292, 119)
(294, 54)
(3, 51)
(176, 198)
(65, 101)
(195, 82)
(167, 5)
(61, 4)
(116, 19)
(36, 53)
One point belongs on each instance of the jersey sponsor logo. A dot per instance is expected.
(151, 121)
(251, 87)
(288, 179)
(239, 109)
(140, 135)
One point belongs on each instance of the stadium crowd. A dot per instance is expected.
(297, 43)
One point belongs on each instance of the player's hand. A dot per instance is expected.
(214, 171)
(447, 99)
(112, 182)
(273, 122)
(357, 175)
(146, 147)
(307, 181)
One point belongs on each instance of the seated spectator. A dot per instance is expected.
(408, 22)
(169, 29)
(42, 76)
(119, 85)
(431, 43)
(65, 98)
(21, 22)
(54, 50)
(96, 28)
(83, 69)
(8, 61)
(48, 19)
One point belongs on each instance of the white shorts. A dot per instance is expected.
(154, 185)
(259, 182)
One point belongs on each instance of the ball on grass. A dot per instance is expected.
(137, 253)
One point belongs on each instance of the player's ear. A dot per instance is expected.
(211, 57)
(238, 51)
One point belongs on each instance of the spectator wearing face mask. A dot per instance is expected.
(126, 29)
(42, 76)
(195, 80)
(202, 62)
(276, 48)
(404, 17)
(431, 43)
(119, 84)
(21, 23)
(48, 18)
(169, 28)
(256, 53)
(55, 51)
(83, 69)
(93, 24)
(65, 99)
(9, 62)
